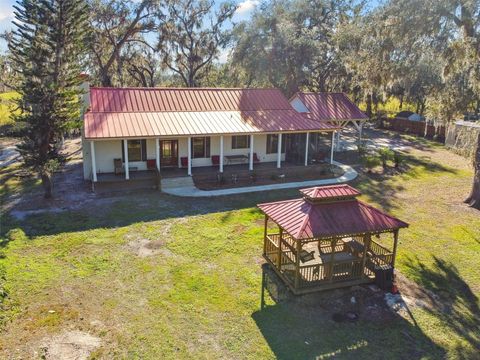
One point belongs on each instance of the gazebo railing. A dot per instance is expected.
(271, 247)
(311, 275)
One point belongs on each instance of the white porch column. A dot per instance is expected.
(360, 133)
(251, 153)
(221, 153)
(125, 151)
(157, 153)
(279, 151)
(189, 156)
(306, 148)
(331, 150)
(94, 164)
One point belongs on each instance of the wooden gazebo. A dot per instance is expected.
(325, 239)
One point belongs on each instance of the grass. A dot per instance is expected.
(6, 107)
(198, 296)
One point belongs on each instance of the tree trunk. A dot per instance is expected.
(47, 184)
(369, 105)
(474, 198)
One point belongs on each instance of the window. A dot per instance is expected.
(200, 147)
(137, 150)
(240, 142)
(272, 144)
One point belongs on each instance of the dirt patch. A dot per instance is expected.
(69, 345)
(363, 303)
(145, 248)
(415, 295)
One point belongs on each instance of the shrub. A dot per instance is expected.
(370, 161)
(385, 154)
(398, 158)
(362, 150)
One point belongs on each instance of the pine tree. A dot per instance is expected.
(47, 49)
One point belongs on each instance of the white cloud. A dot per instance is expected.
(247, 6)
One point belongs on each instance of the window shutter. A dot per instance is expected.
(207, 147)
(123, 150)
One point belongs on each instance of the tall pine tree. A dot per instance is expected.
(47, 49)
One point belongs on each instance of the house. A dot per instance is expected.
(325, 240)
(128, 131)
(335, 108)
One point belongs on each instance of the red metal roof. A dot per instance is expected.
(152, 112)
(185, 99)
(330, 106)
(331, 192)
(303, 219)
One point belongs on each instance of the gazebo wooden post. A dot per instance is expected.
(366, 246)
(297, 262)
(332, 257)
(279, 254)
(265, 236)
(395, 243)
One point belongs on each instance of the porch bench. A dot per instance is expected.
(241, 159)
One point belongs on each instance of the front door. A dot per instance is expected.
(168, 153)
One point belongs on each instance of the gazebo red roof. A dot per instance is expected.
(329, 211)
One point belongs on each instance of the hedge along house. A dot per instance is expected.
(335, 108)
(128, 131)
(325, 239)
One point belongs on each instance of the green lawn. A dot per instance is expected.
(194, 291)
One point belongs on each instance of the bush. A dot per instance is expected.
(398, 158)
(362, 150)
(386, 154)
(370, 161)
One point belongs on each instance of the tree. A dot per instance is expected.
(47, 49)
(473, 199)
(142, 65)
(192, 36)
(114, 24)
(291, 45)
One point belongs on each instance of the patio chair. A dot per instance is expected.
(117, 166)
(184, 161)
(151, 164)
(215, 160)
(255, 158)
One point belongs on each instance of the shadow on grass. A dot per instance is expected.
(137, 207)
(460, 311)
(301, 327)
(383, 187)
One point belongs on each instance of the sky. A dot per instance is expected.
(245, 8)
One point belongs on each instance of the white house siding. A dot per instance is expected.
(108, 150)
